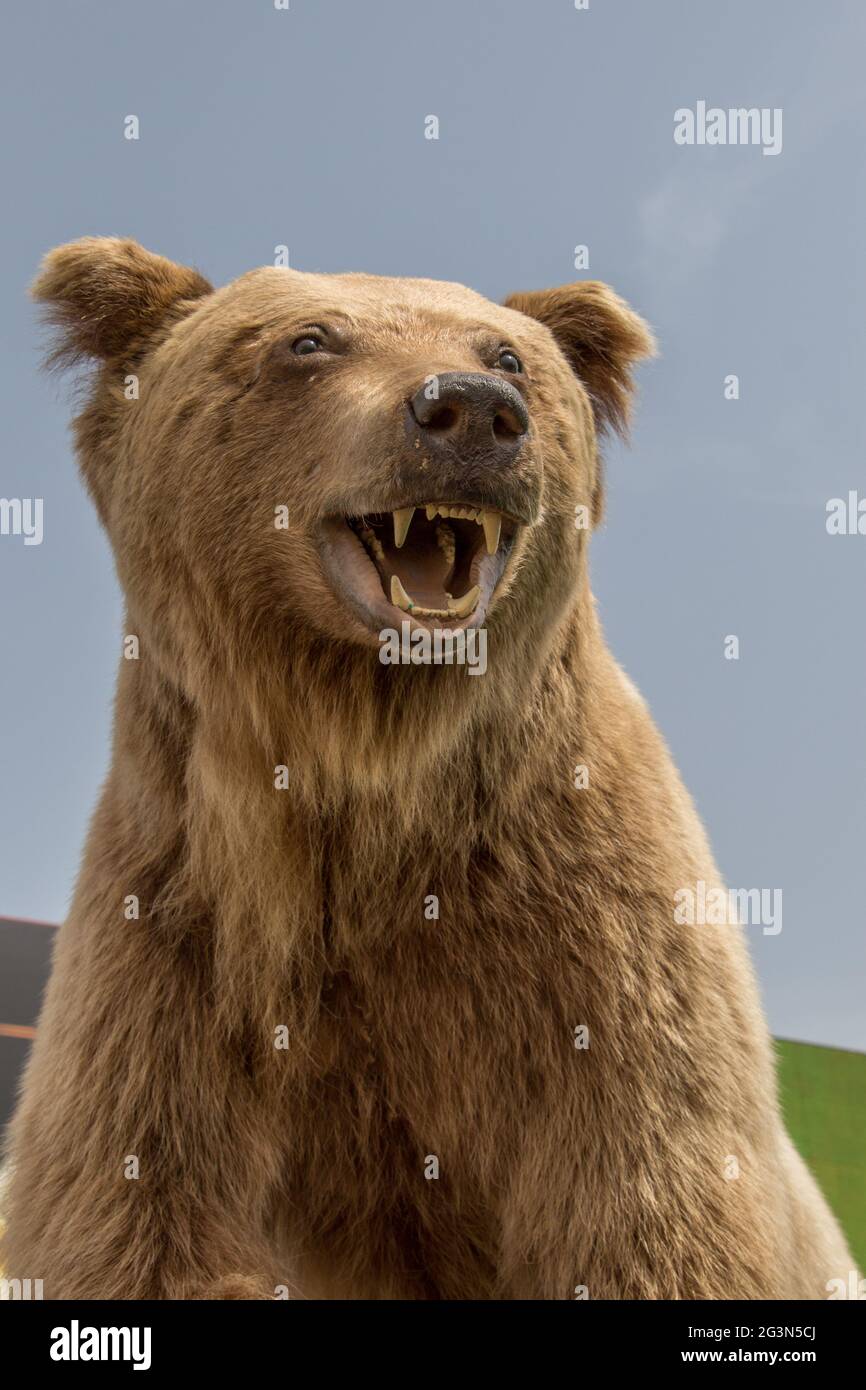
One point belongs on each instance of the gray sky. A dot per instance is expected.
(261, 127)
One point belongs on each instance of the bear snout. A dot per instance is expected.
(469, 413)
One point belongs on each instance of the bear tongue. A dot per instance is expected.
(423, 566)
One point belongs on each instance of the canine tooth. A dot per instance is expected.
(399, 597)
(492, 523)
(462, 607)
(402, 521)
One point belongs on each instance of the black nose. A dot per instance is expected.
(471, 413)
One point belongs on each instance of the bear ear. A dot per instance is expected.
(106, 297)
(601, 338)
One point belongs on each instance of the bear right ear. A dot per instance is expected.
(107, 296)
(601, 338)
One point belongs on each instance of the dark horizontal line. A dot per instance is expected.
(25, 922)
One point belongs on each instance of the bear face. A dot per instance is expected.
(323, 456)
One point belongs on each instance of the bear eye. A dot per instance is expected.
(508, 361)
(302, 347)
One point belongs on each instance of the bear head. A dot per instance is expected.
(295, 462)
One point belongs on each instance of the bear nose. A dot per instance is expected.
(473, 412)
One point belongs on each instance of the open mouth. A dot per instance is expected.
(439, 563)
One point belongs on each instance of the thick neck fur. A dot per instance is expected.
(379, 760)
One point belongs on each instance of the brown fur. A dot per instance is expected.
(261, 1167)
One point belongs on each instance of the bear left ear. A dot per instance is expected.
(601, 338)
(107, 296)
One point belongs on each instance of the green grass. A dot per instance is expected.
(823, 1092)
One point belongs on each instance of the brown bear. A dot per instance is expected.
(374, 984)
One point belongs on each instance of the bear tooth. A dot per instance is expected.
(492, 523)
(431, 510)
(399, 597)
(402, 521)
(462, 607)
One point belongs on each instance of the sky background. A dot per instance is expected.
(262, 127)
